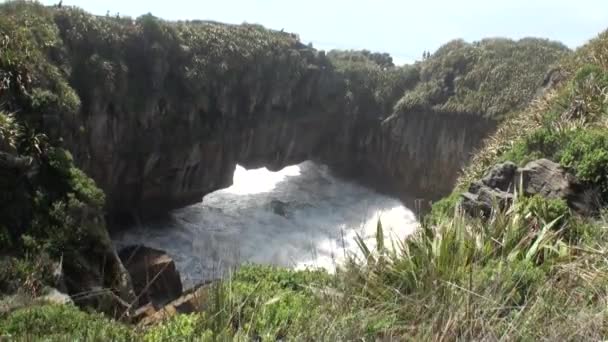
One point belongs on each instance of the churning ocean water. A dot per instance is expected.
(298, 217)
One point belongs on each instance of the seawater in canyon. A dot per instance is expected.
(301, 216)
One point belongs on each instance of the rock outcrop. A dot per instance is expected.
(154, 275)
(539, 177)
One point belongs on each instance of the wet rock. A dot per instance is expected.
(540, 177)
(154, 275)
(279, 207)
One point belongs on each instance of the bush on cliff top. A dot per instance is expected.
(491, 77)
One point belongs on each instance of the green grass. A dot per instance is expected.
(61, 323)
(518, 276)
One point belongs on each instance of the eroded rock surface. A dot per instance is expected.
(539, 177)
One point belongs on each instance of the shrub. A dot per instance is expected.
(28, 275)
(583, 150)
(60, 323)
(492, 77)
(586, 152)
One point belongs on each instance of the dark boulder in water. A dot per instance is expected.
(279, 207)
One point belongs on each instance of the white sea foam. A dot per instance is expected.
(298, 217)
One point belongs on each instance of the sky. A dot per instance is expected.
(405, 28)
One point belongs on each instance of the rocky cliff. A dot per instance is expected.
(418, 156)
(159, 113)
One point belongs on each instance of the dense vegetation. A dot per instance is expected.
(52, 230)
(482, 78)
(534, 271)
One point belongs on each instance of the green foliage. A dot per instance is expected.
(372, 83)
(61, 323)
(460, 277)
(547, 210)
(257, 302)
(491, 77)
(549, 269)
(587, 154)
(9, 132)
(28, 80)
(178, 328)
(273, 303)
(444, 207)
(383, 60)
(53, 209)
(28, 275)
(61, 162)
(583, 150)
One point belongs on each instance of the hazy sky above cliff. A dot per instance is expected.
(404, 28)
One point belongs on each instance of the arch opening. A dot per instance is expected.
(300, 216)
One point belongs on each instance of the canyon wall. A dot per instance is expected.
(159, 113)
(415, 156)
(170, 156)
(157, 130)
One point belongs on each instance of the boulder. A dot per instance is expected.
(482, 202)
(153, 273)
(500, 176)
(279, 207)
(550, 180)
(539, 177)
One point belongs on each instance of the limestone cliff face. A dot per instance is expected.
(172, 164)
(416, 156)
(165, 143)
(162, 112)
(422, 154)
(164, 162)
(172, 149)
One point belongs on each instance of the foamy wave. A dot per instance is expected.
(298, 217)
